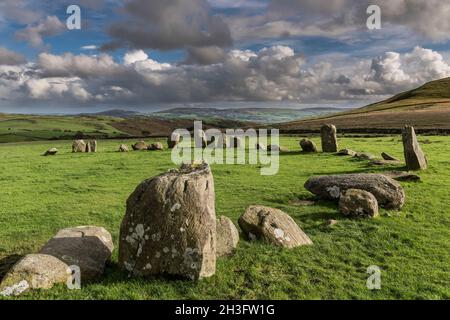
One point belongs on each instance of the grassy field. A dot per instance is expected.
(40, 195)
(20, 128)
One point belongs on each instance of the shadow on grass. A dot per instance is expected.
(7, 263)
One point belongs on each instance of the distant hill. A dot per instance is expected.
(426, 107)
(259, 115)
(116, 113)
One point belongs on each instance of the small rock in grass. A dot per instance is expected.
(141, 145)
(331, 222)
(273, 226)
(227, 236)
(346, 152)
(358, 203)
(34, 271)
(123, 148)
(308, 145)
(51, 152)
(156, 146)
(388, 157)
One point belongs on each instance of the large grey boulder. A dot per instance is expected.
(328, 134)
(388, 192)
(273, 226)
(170, 225)
(227, 236)
(358, 203)
(414, 156)
(34, 271)
(87, 247)
(79, 146)
(308, 145)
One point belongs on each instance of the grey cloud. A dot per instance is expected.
(8, 57)
(205, 55)
(166, 25)
(34, 34)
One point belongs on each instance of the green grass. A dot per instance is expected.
(40, 195)
(19, 128)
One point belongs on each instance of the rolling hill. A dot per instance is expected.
(427, 108)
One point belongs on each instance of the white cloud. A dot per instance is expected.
(271, 74)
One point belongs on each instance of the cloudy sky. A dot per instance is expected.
(151, 54)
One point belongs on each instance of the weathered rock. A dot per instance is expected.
(378, 162)
(414, 156)
(364, 156)
(273, 226)
(388, 157)
(34, 271)
(51, 152)
(173, 140)
(123, 148)
(170, 225)
(87, 247)
(277, 148)
(92, 144)
(308, 145)
(358, 203)
(331, 222)
(388, 192)
(227, 236)
(79, 146)
(156, 146)
(328, 134)
(141, 145)
(225, 141)
(346, 152)
(402, 176)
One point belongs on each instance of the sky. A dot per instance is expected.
(150, 54)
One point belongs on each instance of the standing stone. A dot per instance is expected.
(170, 225)
(308, 145)
(92, 145)
(225, 141)
(414, 156)
(79, 146)
(34, 271)
(328, 135)
(88, 147)
(87, 247)
(358, 203)
(173, 140)
(123, 148)
(227, 236)
(273, 226)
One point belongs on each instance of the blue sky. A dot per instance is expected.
(300, 52)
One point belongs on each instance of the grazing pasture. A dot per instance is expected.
(40, 195)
